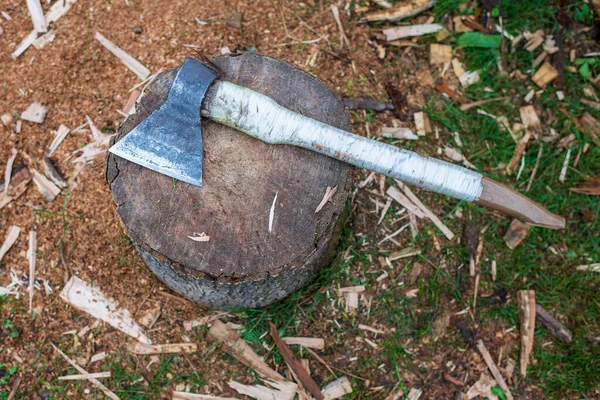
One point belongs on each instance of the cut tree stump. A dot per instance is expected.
(242, 263)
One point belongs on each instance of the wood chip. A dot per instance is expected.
(19, 181)
(516, 233)
(329, 192)
(194, 396)
(440, 53)
(483, 388)
(92, 301)
(94, 381)
(400, 10)
(11, 238)
(404, 253)
(400, 32)
(343, 38)
(466, 107)
(534, 43)
(436, 221)
(494, 369)
(230, 342)
(37, 16)
(546, 74)
(563, 170)
(43, 40)
(422, 124)
(80, 377)
(8, 172)
(553, 324)
(458, 68)
(169, 348)
(398, 133)
(200, 237)
(35, 113)
(60, 135)
(518, 153)
(590, 127)
(32, 258)
(131, 63)
(595, 105)
(48, 189)
(283, 390)
(589, 267)
(98, 357)
(398, 196)
(414, 394)
(448, 91)
(526, 299)
(337, 388)
(530, 118)
(305, 379)
(469, 78)
(6, 119)
(313, 343)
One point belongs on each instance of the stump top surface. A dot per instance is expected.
(242, 176)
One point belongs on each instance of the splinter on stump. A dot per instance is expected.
(240, 262)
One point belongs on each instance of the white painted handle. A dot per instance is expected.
(261, 117)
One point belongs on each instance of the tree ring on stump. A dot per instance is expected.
(243, 264)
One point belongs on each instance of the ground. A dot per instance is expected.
(418, 306)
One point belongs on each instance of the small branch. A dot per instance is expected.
(494, 369)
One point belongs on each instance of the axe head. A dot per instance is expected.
(169, 141)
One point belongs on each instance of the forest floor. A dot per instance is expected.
(426, 308)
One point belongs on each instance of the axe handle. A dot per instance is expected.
(261, 117)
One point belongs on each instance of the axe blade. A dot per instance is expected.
(169, 141)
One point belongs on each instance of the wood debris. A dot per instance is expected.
(231, 343)
(414, 394)
(96, 147)
(398, 133)
(591, 187)
(404, 253)
(51, 171)
(534, 42)
(6, 119)
(343, 38)
(313, 343)
(35, 113)
(149, 318)
(80, 377)
(448, 91)
(337, 388)
(466, 107)
(530, 118)
(350, 295)
(37, 16)
(518, 153)
(553, 324)
(483, 388)
(401, 32)
(440, 53)
(400, 11)
(469, 78)
(546, 74)
(563, 170)
(593, 104)
(11, 238)
(60, 135)
(589, 267)
(494, 369)
(32, 259)
(200, 237)
(8, 172)
(303, 376)
(422, 124)
(283, 390)
(140, 348)
(329, 192)
(194, 396)
(48, 189)
(436, 221)
(526, 299)
(591, 127)
(404, 201)
(43, 40)
(20, 179)
(92, 301)
(94, 381)
(516, 233)
(98, 357)
(131, 63)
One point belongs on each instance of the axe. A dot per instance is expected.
(169, 141)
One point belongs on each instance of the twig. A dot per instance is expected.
(331, 367)
(79, 377)
(304, 377)
(535, 167)
(494, 369)
(526, 300)
(11, 238)
(343, 37)
(32, 257)
(554, 325)
(8, 171)
(466, 107)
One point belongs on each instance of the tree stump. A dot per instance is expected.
(243, 264)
